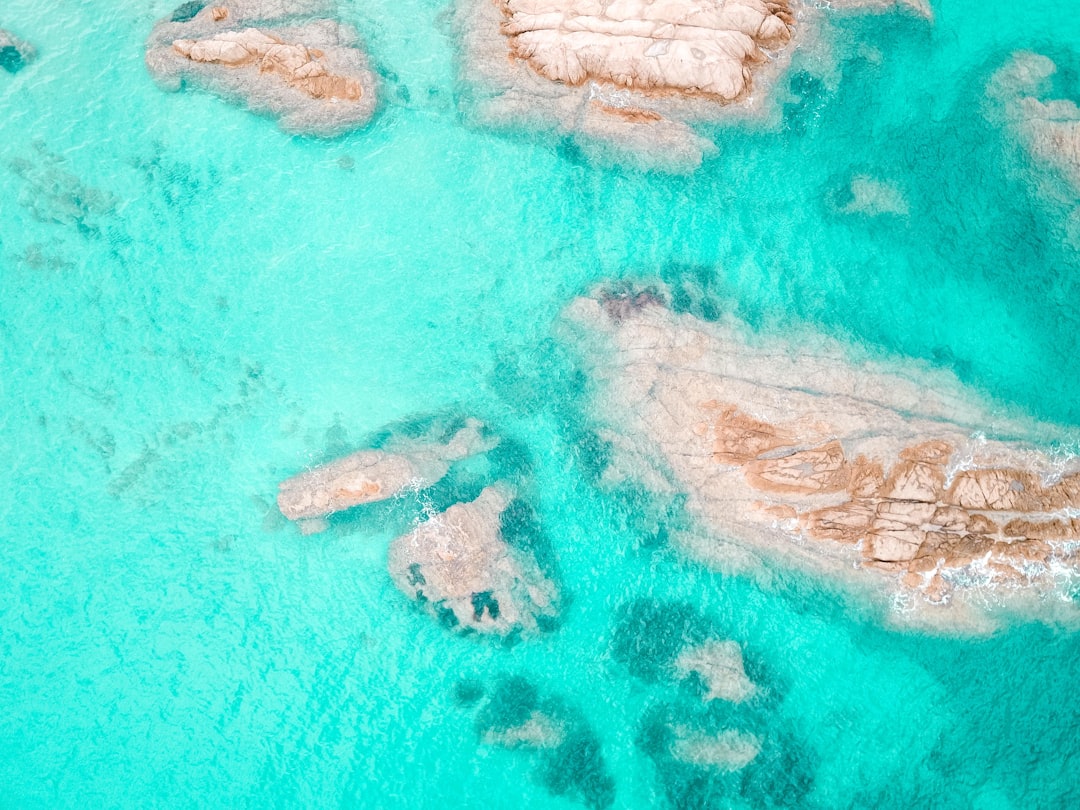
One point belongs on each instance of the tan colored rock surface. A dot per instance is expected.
(720, 665)
(296, 65)
(796, 452)
(375, 475)
(310, 75)
(627, 78)
(729, 750)
(685, 46)
(458, 564)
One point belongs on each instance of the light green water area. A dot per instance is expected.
(194, 306)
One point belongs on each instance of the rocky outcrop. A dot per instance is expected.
(798, 453)
(14, 53)
(626, 79)
(680, 46)
(719, 664)
(375, 475)
(629, 80)
(308, 73)
(459, 566)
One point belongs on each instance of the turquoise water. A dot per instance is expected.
(194, 306)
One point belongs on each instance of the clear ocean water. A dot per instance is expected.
(194, 306)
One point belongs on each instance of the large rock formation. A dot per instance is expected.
(626, 78)
(460, 568)
(681, 46)
(629, 79)
(375, 475)
(797, 452)
(14, 53)
(308, 73)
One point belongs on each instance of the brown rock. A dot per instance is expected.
(374, 475)
(932, 452)
(995, 490)
(915, 481)
(739, 437)
(812, 411)
(867, 478)
(308, 73)
(848, 523)
(821, 470)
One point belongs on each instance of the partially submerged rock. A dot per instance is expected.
(461, 569)
(1048, 130)
(625, 78)
(730, 750)
(628, 80)
(277, 58)
(719, 664)
(375, 475)
(15, 54)
(798, 453)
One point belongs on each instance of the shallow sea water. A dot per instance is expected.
(194, 306)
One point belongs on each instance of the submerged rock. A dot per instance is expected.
(729, 750)
(375, 475)
(461, 568)
(874, 198)
(538, 731)
(720, 666)
(14, 53)
(307, 72)
(1048, 130)
(566, 751)
(800, 454)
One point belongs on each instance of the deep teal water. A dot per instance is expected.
(194, 306)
